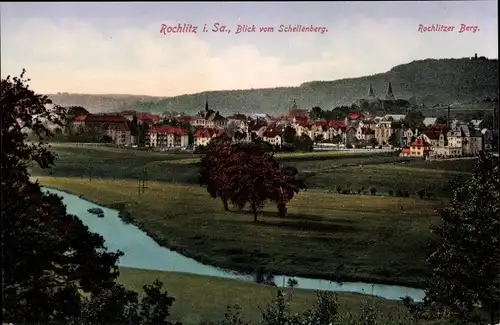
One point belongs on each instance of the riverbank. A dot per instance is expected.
(347, 238)
(192, 304)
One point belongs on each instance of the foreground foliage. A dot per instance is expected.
(55, 270)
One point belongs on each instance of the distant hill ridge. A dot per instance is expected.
(430, 81)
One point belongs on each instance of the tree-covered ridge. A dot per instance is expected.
(431, 81)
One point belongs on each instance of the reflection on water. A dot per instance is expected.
(141, 251)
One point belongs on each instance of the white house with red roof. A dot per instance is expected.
(202, 136)
(166, 136)
(272, 136)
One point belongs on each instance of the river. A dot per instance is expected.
(142, 252)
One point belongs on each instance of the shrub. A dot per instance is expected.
(373, 191)
(391, 192)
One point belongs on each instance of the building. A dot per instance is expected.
(383, 132)
(418, 149)
(389, 95)
(202, 136)
(209, 119)
(166, 136)
(120, 134)
(272, 136)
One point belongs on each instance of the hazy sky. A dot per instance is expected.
(118, 47)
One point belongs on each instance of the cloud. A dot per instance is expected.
(74, 56)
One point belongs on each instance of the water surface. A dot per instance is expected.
(142, 252)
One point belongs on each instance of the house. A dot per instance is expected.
(120, 134)
(166, 136)
(418, 148)
(76, 125)
(209, 119)
(367, 134)
(148, 119)
(383, 132)
(353, 117)
(95, 123)
(302, 128)
(202, 136)
(490, 139)
(454, 137)
(335, 130)
(272, 136)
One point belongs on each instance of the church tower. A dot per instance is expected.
(371, 93)
(389, 95)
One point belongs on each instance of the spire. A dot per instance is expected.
(389, 95)
(206, 105)
(294, 104)
(371, 93)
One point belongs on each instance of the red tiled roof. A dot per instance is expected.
(184, 118)
(434, 135)
(299, 113)
(154, 118)
(270, 133)
(405, 150)
(80, 118)
(336, 124)
(369, 122)
(419, 142)
(304, 124)
(320, 123)
(301, 118)
(354, 116)
(167, 129)
(119, 127)
(106, 118)
(146, 121)
(207, 133)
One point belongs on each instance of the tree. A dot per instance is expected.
(51, 256)
(415, 119)
(442, 120)
(243, 173)
(315, 113)
(373, 142)
(465, 265)
(289, 134)
(393, 140)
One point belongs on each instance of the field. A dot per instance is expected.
(323, 170)
(347, 237)
(200, 298)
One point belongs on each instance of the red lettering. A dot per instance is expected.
(162, 29)
(420, 26)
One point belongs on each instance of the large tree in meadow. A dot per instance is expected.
(50, 257)
(466, 264)
(243, 173)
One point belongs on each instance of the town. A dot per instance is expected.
(429, 138)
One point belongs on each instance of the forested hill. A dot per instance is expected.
(431, 81)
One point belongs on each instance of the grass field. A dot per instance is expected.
(348, 237)
(324, 170)
(200, 298)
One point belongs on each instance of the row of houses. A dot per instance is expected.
(355, 128)
(447, 143)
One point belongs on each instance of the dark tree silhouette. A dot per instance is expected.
(466, 264)
(50, 257)
(243, 173)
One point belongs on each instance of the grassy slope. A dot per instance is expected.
(431, 81)
(205, 298)
(325, 170)
(372, 239)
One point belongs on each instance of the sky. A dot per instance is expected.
(118, 48)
